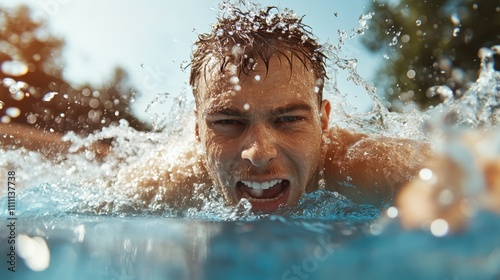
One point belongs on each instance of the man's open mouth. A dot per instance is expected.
(265, 196)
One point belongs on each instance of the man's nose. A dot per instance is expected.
(260, 146)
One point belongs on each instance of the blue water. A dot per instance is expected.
(325, 237)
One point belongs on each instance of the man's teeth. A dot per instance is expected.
(256, 192)
(261, 185)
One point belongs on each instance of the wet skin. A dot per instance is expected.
(262, 131)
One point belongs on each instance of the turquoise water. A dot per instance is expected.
(272, 248)
(325, 237)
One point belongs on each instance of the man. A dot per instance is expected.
(263, 128)
(262, 134)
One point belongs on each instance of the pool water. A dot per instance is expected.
(152, 247)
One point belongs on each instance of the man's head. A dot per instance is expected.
(257, 81)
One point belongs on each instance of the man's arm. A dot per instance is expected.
(20, 135)
(370, 169)
(461, 181)
(50, 144)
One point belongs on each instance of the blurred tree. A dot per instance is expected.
(33, 90)
(430, 43)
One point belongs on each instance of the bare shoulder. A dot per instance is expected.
(370, 168)
(166, 177)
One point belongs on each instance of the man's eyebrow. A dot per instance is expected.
(235, 112)
(228, 111)
(299, 106)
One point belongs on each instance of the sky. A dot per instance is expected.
(151, 39)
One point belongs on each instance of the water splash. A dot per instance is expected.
(84, 183)
(479, 106)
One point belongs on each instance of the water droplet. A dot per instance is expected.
(242, 209)
(456, 30)
(7, 82)
(405, 38)
(392, 212)
(439, 228)
(16, 94)
(411, 74)
(233, 69)
(86, 92)
(304, 38)
(237, 50)
(246, 107)
(454, 19)
(48, 97)
(418, 22)
(257, 77)
(320, 82)
(5, 119)
(443, 92)
(14, 68)
(13, 112)
(394, 41)
(376, 229)
(31, 118)
(425, 174)
(234, 80)
(94, 103)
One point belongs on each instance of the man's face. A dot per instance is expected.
(262, 132)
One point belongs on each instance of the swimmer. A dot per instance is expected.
(263, 126)
(263, 132)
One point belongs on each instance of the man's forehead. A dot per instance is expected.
(228, 108)
(232, 87)
(220, 69)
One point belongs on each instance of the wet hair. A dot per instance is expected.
(242, 37)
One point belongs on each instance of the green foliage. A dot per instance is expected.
(44, 98)
(430, 43)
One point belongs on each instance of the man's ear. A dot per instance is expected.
(196, 127)
(325, 114)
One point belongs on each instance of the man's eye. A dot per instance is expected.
(228, 122)
(289, 119)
